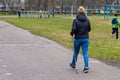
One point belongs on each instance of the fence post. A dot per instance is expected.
(106, 12)
(86, 11)
(72, 11)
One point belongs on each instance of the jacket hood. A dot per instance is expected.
(81, 17)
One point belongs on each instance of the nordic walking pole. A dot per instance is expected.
(76, 71)
(76, 66)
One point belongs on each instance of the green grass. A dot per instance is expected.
(102, 45)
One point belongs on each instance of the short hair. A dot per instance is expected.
(81, 9)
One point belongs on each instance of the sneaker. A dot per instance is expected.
(72, 66)
(85, 70)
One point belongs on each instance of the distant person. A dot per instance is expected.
(53, 13)
(115, 25)
(40, 14)
(80, 30)
(19, 13)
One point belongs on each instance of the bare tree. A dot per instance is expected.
(51, 4)
(39, 4)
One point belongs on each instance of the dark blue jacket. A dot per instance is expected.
(81, 27)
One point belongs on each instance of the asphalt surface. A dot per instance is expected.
(24, 56)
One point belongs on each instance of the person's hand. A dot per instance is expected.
(71, 34)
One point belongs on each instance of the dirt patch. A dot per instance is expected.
(114, 63)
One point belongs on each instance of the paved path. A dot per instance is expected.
(24, 56)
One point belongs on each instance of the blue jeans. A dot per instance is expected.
(84, 43)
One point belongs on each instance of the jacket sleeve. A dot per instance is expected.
(73, 30)
(118, 20)
(89, 26)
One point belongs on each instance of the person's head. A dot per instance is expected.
(81, 10)
(116, 14)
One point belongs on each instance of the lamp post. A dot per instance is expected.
(12, 5)
(6, 5)
(19, 4)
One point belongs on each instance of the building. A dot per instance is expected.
(1, 6)
(11, 5)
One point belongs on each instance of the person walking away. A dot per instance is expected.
(115, 25)
(80, 30)
(19, 13)
(40, 14)
(53, 13)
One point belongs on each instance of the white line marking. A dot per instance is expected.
(4, 66)
(94, 61)
(27, 45)
(8, 74)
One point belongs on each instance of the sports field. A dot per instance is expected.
(102, 44)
